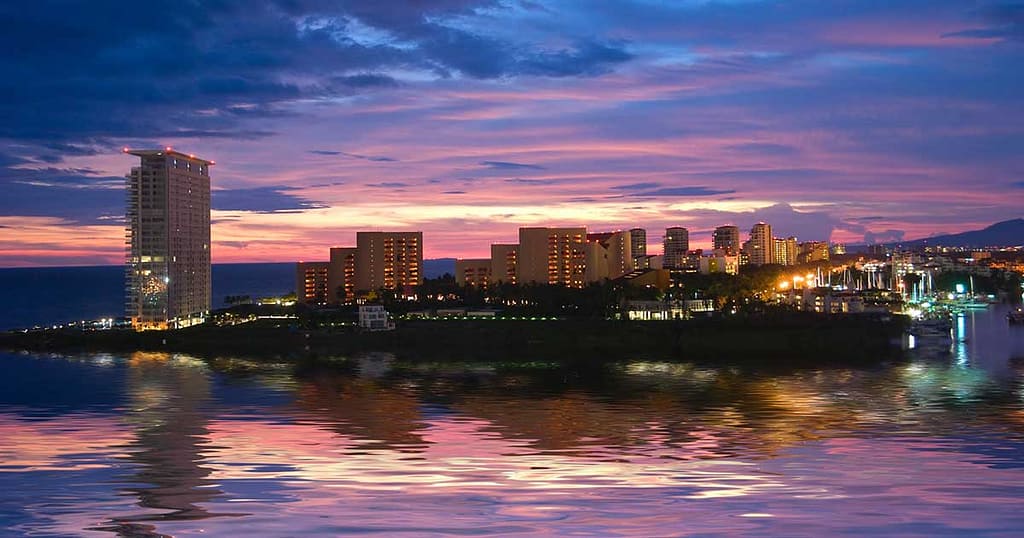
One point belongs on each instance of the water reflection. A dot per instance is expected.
(931, 445)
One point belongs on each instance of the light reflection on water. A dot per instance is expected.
(157, 445)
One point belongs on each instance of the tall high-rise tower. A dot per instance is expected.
(167, 239)
(638, 245)
(727, 238)
(677, 243)
(761, 247)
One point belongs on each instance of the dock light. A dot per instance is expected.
(124, 149)
(783, 285)
(168, 148)
(960, 288)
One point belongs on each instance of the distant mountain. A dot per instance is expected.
(438, 267)
(1006, 233)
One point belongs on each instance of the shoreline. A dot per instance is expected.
(792, 339)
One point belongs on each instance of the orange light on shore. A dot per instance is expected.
(168, 148)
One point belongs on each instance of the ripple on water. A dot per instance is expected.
(650, 449)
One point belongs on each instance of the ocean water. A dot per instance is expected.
(56, 295)
(157, 444)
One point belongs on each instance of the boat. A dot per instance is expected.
(1016, 317)
(932, 328)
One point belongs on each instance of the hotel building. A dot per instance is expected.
(391, 260)
(167, 240)
(312, 283)
(609, 255)
(760, 247)
(504, 259)
(638, 245)
(552, 256)
(677, 244)
(341, 276)
(726, 238)
(473, 272)
(785, 251)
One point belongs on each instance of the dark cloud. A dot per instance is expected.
(1019, 184)
(765, 149)
(784, 219)
(1003, 20)
(207, 69)
(389, 185)
(636, 186)
(454, 192)
(79, 195)
(354, 155)
(233, 244)
(366, 80)
(503, 165)
(681, 192)
(522, 181)
(887, 236)
(377, 159)
(266, 199)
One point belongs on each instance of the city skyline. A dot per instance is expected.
(468, 120)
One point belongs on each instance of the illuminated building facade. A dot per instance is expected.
(609, 255)
(785, 251)
(552, 256)
(760, 248)
(473, 272)
(726, 238)
(341, 276)
(677, 245)
(167, 240)
(390, 260)
(312, 283)
(638, 245)
(720, 262)
(813, 251)
(503, 263)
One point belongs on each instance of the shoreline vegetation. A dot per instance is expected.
(792, 339)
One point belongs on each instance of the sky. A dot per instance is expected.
(850, 121)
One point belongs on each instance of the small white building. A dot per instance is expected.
(373, 317)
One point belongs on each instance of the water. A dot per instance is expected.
(46, 296)
(168, 445)
(56, 295)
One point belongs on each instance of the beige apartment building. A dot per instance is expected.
(726, 238)
(311, 283)
(504, 259)
(342, 275)
(474, 272)
(609, 255)
(761, 245)
(167, 240)
(676, 247)
(391, 260)
(552, 256)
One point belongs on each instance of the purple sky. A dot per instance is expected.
(867, 120)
